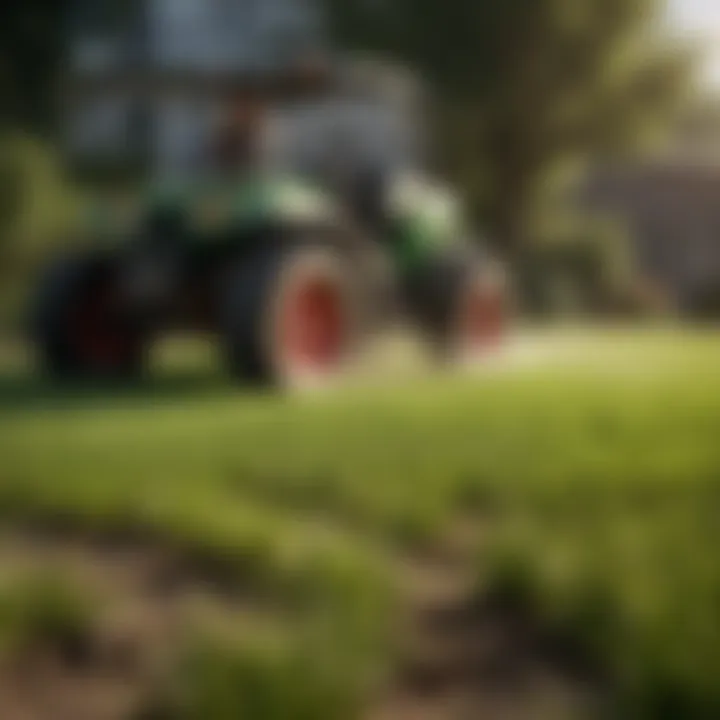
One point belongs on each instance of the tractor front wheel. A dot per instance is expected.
(462, 309)
(478, 319)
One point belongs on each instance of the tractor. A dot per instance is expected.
(313, 227)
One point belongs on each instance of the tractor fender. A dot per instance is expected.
(427, 221)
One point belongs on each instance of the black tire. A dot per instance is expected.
(255, 295)
(461, 306)
(78, 327)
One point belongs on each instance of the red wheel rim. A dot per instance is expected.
(484, 320)
(313, 329)
(95, 334)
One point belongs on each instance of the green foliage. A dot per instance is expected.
(268, 681)
(42, 612)
(577, 266)
(38, 213)
(626, 581)
(11, 191)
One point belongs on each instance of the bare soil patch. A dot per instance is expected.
(145, 599)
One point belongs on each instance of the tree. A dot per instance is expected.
(31, 37)
(526, 88)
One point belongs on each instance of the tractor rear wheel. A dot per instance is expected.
(79, 328)
(289, 317)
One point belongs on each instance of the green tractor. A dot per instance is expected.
(292, 257)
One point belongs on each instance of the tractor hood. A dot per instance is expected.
(206, 208)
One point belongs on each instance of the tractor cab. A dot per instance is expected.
(324, 137)
(350, 134)
(358, 135)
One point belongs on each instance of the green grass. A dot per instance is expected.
(42, 611)
(601, 463)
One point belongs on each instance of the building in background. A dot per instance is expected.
(671, 205)
(672, 209)
(145, 40)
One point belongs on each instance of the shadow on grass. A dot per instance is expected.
(28, 392)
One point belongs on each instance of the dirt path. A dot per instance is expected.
(464, 657)
(459, 656)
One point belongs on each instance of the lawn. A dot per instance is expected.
(589, 462)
